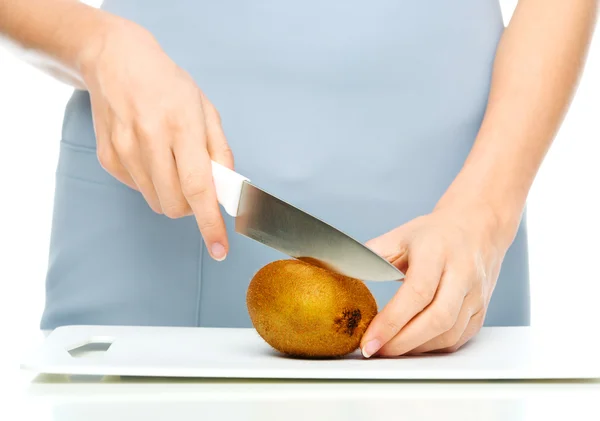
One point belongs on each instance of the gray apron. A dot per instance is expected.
(360, 112)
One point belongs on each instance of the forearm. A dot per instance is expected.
(54, 35)
(538, 62)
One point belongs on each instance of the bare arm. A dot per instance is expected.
(452, 256)
(54, 35)
(156, 131)
(538, 63)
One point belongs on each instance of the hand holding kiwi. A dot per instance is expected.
(306, 311)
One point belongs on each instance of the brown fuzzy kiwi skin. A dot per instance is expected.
(305, 311)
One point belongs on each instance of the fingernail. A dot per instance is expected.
(218, 251)
(371, 348)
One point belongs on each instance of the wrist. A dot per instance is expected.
(500, 219)
(92, 45)
(108, 31)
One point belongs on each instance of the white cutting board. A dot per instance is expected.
(495, 353)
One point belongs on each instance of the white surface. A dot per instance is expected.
(58, 399)
(75, 398)
(496, 353)
(228, 185)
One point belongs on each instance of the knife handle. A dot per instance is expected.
(228, 185)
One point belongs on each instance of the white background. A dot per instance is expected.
(563, 204)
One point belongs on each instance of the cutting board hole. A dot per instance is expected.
(92, 348)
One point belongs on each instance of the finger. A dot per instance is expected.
(471, 330)
(452, 336)
(392, 246)
(218, 148)
(110, 162)
(438, 318)
(129, 155)
(195, 174)
(416, 292)
(168, 187)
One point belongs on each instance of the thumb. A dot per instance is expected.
(392, 246)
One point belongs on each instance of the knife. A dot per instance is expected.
(275, 223)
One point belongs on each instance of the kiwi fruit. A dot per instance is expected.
(306, 311)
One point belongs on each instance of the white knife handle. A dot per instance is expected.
(228, 184)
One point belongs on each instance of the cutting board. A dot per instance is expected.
(495, 353)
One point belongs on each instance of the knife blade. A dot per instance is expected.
(278, 224)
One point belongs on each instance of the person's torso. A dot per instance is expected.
(369, 106)
(360, 112)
